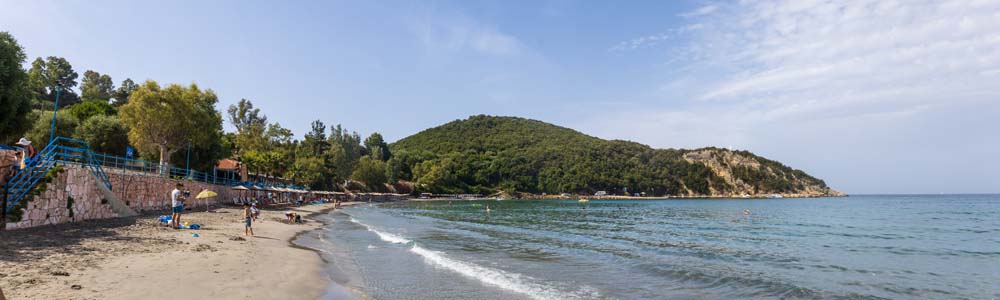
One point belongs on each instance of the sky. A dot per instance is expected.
(871, 96)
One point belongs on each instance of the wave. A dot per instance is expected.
(510, 281)
(388, 237)
(505, 280)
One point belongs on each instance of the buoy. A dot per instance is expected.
(584, 200)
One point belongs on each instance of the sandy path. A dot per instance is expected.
(135, 258)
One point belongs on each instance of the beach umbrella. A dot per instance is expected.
(205, 194)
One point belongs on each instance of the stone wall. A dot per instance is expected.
(141, 192)
(53, 206)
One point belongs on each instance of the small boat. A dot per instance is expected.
(584, 200)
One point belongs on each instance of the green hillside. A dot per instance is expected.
(487, 154)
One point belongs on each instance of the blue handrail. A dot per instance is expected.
(55, 152)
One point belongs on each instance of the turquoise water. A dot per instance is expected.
(862, 247)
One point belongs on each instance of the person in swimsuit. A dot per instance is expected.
(247, 219)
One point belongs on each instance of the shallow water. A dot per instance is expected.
(862, 247)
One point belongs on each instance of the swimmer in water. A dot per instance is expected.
(746, 212)
(487, 208)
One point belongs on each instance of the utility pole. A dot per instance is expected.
(187, 165)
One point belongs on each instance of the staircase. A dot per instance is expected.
(60, 151)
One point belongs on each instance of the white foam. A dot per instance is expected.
(388, 237)
(505, 280)
(510, 281)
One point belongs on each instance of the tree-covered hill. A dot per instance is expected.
(487, 154)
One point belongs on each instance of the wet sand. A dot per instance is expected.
(136, 258)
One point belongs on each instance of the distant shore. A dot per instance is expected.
(606, 197)
(136, 258)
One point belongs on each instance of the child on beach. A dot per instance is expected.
(247, 219)
(176, 205)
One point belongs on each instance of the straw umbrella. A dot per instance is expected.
(243, 192)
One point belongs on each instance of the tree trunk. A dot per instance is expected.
(165, 161)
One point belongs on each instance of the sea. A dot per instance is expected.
(858, 247)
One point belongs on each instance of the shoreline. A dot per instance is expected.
(129, 258)
(333, 286)
(540, 197)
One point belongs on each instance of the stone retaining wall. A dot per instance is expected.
(143, 192)
(140, 192)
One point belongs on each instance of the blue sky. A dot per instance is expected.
(872, 96)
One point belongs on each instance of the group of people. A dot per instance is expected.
(250, 210)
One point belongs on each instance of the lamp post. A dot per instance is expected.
(187, 164)
(55, 109)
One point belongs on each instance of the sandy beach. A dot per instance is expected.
(136, 258)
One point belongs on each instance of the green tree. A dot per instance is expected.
(45, 75)
(86, 109)
(377, 148)
(167, 119)
(436, 176)
(104, 133)
(123, 92)
(340, 164)
(250, 126)
(15, 99)
(315, 141)
(371, 172)
(97, 87)
(350, 142)
(393, 169)
(39, 133)
(203, 156)
(280, 149)
(309, 171)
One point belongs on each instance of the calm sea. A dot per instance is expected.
(862, 247)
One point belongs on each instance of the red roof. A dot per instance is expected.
(227, 164)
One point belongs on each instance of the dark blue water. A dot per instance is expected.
(862, 247)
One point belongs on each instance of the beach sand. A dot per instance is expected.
(136, 258)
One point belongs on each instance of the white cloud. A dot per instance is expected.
(701, 11)
(654, 39)
(460, 33)
(494, 42)
(757, 71)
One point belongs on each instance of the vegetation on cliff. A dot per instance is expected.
(486, 154)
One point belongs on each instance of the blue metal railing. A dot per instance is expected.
(142, 166)
(60, 150)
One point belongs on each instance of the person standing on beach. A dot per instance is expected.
(247, 219)
(176, 205)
